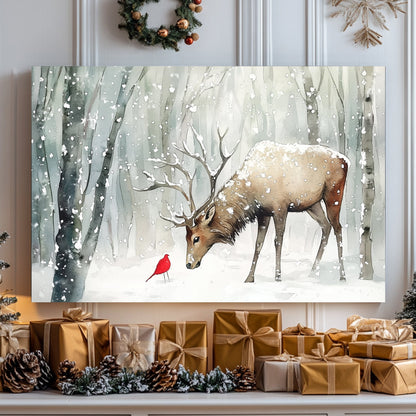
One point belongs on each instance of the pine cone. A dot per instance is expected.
(160, 376)
(20, 372)
(109, 366)
(67, 373)
(244, 379)
(46, 376)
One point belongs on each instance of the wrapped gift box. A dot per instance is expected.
(14, 336)
(343, 338)
(76, 338)
(240, 336)
(134, 346)
(184, 343)
(384, 350)
(361, 324)
(277, 373)
(391, 377)
(301, 344)
(330, 377)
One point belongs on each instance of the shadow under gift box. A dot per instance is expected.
(85, 342)
(391, 377)
(240, 336)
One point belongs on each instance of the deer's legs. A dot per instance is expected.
(317, 213)
(279, 224)
(333, 216)
(263, 225)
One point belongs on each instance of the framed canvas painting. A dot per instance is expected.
(208, 184)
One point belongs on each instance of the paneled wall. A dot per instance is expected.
(234, 32)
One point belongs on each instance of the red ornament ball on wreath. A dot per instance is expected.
(197, 1)
(189, 40)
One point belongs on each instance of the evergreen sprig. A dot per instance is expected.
(92, 381)
(139, 30)
(409, 304)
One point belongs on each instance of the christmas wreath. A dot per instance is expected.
(136, 24)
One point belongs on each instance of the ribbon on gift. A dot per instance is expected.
(266, 335)
(166, 346)
(299, 329)
(293, 371)
(360, 324)
(366, 378)
(331, 358)
(133, 351)
(11, 334)
(400, 330)
(74, 315)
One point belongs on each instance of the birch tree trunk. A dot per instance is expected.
(74, 256)
(43, 209)
(312, 111)
(368, 184)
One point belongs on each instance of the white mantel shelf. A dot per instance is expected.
(253, 403)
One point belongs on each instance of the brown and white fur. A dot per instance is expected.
(274, 180)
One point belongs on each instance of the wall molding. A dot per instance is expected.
(255, 35)
(85, 33)
(316, 41)
(410, 265)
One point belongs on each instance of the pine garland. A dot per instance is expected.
(6, 314)
(93, 381)
(136, 24)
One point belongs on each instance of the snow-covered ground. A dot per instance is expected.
(220, 278)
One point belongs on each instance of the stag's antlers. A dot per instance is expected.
(180, 219)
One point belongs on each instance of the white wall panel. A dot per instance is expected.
(249, 32)
(217, 44)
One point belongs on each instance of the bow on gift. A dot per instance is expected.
(134, 356)
(266, 335)
(167, 346)
(299, 330)
(400, 330)
(318, 354)
(11, 335)
(293, 372)
(75, 315)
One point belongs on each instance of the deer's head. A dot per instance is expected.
(200, 238)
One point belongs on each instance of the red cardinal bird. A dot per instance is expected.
(162, 267)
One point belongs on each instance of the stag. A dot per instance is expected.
(273, 181)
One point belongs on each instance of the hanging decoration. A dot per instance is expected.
(168, 36)
(372, 15)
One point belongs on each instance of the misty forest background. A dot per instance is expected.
(95, 130)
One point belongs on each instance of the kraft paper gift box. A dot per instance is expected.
(13, 337)
(360, 324)
(384, 350)
(391, 377)
(76, 337)
(134, 346)
(277, 373)
(240, 336)
(184, 342)
(329, 373)
(298, 340)
(335, 337)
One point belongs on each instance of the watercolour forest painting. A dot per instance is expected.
(208, 184)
